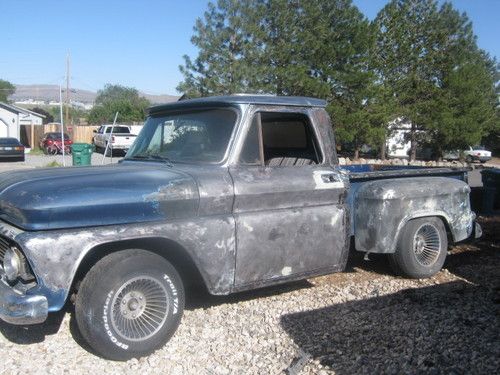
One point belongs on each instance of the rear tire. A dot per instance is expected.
(421, 248)
(129, 304)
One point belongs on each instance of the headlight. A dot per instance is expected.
(12, 264)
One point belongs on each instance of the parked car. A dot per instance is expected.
(452, 155)
(235, 192)
(11, 149)
(121, 139)
(477, 153)
(51, 143)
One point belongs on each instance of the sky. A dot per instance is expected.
(136, 43)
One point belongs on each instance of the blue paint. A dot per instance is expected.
(94, 196)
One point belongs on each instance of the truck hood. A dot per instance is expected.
(59, 198)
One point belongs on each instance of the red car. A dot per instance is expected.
(51, 143)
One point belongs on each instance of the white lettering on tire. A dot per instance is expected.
(174, 292)
(112, 337)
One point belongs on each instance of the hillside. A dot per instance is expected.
(51, 92)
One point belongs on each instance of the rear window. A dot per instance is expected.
(118, 130)
(8, 141)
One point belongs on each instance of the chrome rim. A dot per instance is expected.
(140, 308)
(427, 244)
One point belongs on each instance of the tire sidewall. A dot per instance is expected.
(406, 256)
(98, 315)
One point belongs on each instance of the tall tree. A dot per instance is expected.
(425, 54)
(6, 90)
(289, 47)
(116, 98)
(220, 67)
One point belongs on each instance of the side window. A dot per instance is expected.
(288, 140)
(250, 153)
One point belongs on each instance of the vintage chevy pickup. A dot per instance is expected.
(238, 192)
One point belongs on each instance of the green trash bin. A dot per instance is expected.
(82, 153)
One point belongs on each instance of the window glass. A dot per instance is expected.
(194, 136)
(288, 140)
(118, 130)
(250, 151)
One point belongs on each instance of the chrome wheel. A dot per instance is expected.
(139, 308)
(427, 244)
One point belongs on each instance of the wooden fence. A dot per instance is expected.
(78, 134)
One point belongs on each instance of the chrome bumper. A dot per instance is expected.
(477, 231)
(21, 309)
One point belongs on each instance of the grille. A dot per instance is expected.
(4, 245)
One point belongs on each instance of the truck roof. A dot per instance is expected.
(296, 101)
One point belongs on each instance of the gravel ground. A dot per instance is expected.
(362, 321)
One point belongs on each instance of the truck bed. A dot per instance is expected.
(362, 173)
(368, 172)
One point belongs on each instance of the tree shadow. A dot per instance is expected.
(447, 328)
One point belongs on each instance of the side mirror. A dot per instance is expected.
(95, 131)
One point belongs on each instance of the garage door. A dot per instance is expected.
(3, 129)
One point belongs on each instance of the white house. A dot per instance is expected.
(398, 145)
(12, 117)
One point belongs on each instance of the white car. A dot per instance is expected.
(477, 153)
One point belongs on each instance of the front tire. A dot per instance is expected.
(129, 304)
(421, 249)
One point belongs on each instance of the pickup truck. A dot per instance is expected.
(120, 139)
(235, 192)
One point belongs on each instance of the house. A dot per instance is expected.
(398, 143)
(12, 118)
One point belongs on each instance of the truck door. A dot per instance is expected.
(289, 202)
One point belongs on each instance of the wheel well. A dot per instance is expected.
(449, 234)
(447, 227)
(170, 250)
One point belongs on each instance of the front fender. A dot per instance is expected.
(55, 256)
(383, 207)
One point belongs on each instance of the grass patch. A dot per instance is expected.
(53, 164)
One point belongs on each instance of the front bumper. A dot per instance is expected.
(477, 231)
(21, 309)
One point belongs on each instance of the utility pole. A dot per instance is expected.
(67, 91)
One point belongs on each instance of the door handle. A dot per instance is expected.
(330, 177)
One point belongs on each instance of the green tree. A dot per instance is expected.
(48, 116)
(117, 98)
(6, 90)
(426, 55)
(287, 47)
(220, 67)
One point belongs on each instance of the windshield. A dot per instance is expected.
(58, 136)
(478, 148)
(194, 136)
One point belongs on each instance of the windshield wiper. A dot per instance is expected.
(163, 159)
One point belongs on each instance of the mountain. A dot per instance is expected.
(47, 93)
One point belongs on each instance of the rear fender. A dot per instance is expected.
(382, 208)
